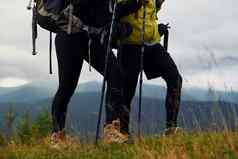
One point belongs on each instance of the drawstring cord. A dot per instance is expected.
(89, 52)
(91, 31)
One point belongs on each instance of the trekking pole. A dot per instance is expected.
(141, 67)
(105, 70)
(34, 29)
(32, 6)
(166, 37)
(50, 54)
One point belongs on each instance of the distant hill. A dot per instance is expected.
(84, 106)
(200, 109)
(7, 90)
(33, 92)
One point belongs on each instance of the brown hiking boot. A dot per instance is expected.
(59, 140)
(57, 137)
(112, 133)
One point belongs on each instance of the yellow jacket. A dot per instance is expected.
(151, 34)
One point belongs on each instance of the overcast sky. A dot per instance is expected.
(203, 42)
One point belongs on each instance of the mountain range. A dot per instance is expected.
(45, 89)
(200, 109)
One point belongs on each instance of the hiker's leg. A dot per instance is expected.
(167, 68)
(130, 61)
(69, 67)
(114, 78)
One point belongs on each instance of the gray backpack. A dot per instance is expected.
(56, 16)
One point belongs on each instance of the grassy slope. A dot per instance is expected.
(194, 146)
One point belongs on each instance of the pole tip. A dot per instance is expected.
(34, 53)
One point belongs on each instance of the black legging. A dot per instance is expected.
(157, 62)
(71, 51)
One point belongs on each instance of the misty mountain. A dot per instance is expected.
(84, 106)
(200, 109)
(46, 89)
(7, 90)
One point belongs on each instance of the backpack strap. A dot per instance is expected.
(71, 10)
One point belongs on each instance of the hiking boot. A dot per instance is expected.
(57, 137)
(112, 134)
(173, 131)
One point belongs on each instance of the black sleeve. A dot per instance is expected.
(159, 4)
(54, 6)
(94, 14)
(127, 7)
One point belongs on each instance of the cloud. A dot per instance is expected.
(198, 23)
(203, 42)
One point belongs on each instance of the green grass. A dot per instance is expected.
(184, 146)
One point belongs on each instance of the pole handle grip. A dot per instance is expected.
(29, 6)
